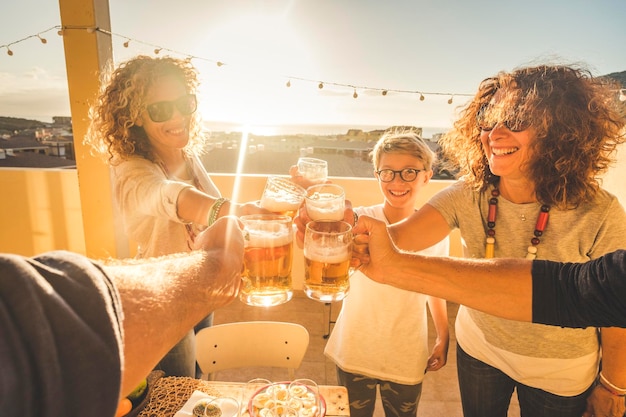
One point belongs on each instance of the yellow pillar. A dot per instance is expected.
(87, 52)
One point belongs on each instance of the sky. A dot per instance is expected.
(440, 49)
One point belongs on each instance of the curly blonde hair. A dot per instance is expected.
(578, 123)
(113, 132)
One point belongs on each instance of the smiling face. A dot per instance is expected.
(171, 135)
(401, 196)
(507, 151)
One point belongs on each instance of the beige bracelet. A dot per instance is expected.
(607, 385)
(215, 209)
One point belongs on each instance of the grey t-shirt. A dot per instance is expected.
(533, 354)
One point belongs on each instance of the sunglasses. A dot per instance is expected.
(162, 111)
(486, 120)
(407, 174)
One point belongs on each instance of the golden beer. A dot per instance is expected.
(327, 255)
(268, 258)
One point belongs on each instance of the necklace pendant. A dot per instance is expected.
(532, 252)
(490, 247)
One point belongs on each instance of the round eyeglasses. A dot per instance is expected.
(163, 111)
(406, 174)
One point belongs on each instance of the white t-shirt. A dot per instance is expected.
(382, 331)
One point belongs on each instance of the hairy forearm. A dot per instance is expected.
(501, 287)
(163, 300)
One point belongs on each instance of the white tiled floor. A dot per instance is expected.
(440, 394)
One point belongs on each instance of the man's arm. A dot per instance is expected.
(165, 297)
(502, 287)
(556, 293)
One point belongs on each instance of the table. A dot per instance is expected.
(169, 394)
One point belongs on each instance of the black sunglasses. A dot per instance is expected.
(163, 111)
(407, 174)
(486, 122)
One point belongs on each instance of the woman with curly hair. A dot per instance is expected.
(530, 147)
(144, 123)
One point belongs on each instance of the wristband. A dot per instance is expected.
(607, 385)
(215, 209)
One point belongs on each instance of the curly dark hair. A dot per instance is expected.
(113, 132)
(578, 123)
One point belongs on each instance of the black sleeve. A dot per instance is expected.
(60, 337)
(591, 294)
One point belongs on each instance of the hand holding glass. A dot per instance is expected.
(327, 255)
(268, 257)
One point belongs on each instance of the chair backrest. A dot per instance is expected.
(251, 344)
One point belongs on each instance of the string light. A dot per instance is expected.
(320, 84)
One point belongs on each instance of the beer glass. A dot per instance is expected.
(327, 255)
(325, 202)
(313, 169)
(268, 257)
(282, 196)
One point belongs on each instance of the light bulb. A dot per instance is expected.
(126, 43)
(219, 64)
(320, 85)
(384, 92)
(355, 95)
(157, 50)
(450, 100)
(43, 40)
(422, 98)
(288, 83)
(9, 51)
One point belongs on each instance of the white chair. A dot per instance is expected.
(251, 344)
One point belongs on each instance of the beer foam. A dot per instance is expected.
(280, 203)
(273, 235)
(329, 255)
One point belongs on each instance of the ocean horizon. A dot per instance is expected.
(311, 129)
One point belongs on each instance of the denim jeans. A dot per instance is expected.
(181, 359)
(486, 392)
(398, 400)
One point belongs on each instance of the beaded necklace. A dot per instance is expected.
(490, 241)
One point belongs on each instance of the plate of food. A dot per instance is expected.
(274, 399)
